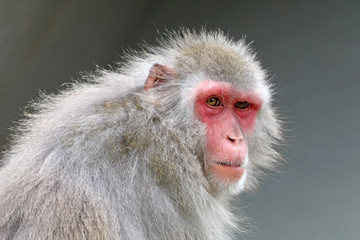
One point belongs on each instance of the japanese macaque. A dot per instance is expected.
(155, 149)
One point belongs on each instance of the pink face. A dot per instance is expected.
(229, 115)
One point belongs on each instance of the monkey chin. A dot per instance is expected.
(228, 172)
(227, 178)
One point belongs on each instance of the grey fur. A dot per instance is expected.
(106, 160)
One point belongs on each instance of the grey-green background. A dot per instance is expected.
(311, 49)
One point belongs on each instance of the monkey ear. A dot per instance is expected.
(158, 74)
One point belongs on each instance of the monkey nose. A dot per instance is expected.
(235, 139)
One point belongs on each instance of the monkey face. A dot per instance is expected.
(229, 115)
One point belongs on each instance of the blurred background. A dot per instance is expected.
(311, 49)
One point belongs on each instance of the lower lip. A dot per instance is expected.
(230, 173)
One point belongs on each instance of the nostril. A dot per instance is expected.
(231, 139)
(235, 140)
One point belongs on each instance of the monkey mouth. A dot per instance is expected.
(230, 164)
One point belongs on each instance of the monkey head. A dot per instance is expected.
(225, 90)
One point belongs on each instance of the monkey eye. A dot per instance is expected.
(242, 105)
(214, 102)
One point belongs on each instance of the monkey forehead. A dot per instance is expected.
(231, 62)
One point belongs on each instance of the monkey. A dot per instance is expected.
(155, 148)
